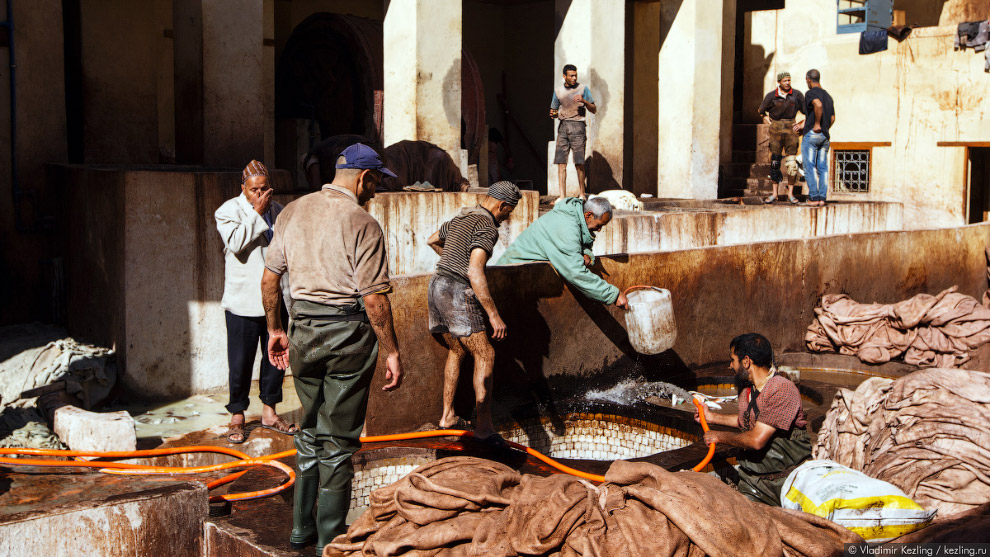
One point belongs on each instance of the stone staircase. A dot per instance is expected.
(747, 174)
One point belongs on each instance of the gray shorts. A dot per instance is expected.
(454, 308)
(571, 136)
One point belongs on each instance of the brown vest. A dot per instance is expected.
(569, 108)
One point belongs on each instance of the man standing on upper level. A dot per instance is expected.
(569, 102)
(779, 109)
(819, 117)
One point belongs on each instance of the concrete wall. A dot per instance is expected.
(559, 341)
(144, 263)
(121, 105)
(634, 232)
(408, 220)
(40, 137)
(103, 516)
(901, 96)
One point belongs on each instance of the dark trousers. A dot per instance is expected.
(243, 336)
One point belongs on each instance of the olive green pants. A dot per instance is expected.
(332, 362)
(763, 473)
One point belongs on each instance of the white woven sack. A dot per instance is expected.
(872, 508)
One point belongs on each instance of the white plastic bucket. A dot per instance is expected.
(650, 320)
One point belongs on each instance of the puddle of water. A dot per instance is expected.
(200, 412)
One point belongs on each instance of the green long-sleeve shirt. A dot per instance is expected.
(562, 238)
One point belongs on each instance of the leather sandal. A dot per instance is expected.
(770, 199)
(282, 426)
(235, 430)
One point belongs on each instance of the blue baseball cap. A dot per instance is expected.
(360, 156)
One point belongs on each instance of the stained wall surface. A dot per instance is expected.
(557, 337)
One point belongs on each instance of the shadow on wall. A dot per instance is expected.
(601, 177)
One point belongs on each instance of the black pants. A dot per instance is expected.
(243, 336)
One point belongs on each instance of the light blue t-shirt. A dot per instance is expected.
(555, 102)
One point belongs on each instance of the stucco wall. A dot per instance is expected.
(917, 93)
(635, 232)
(558, 341)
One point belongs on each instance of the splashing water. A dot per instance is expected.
(631, 391)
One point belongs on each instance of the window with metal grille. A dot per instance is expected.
(856, 16)
(852, 170)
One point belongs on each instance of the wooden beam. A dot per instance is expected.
(857, 144)
(963, 144)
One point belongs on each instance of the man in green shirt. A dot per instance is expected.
(564, 237)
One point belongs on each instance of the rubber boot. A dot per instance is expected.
(331, 516)
(307, 488)
(303, 524)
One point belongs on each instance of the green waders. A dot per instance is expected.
(762, 473)
(332, 352)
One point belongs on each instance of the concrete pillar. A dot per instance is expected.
(690, 96)
(234, 93)
(422, 42)
(591, 36)
(728, 79)
(646, 49)
(220, 82)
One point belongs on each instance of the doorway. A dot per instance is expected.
(978, 202)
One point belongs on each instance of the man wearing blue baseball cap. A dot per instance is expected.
(334, 253)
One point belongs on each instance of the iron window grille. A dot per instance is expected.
(851, 170)
(856, 16)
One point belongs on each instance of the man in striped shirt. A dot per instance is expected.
(459, 299)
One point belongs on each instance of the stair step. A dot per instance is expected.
(747, 157)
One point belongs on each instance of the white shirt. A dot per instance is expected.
(245, 243)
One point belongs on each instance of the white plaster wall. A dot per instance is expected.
(690, 86)
(422, 54)
(917, 93)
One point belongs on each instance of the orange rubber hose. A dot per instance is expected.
(462, 433)
(704, 426)
(269, 460)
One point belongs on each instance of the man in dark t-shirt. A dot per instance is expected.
(820, 115)
(458, 299)
(779, 109)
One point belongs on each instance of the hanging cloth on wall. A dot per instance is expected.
(872, 40)
(965, 32)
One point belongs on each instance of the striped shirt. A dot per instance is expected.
(474, 227)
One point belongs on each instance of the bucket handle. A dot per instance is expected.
(627, 290)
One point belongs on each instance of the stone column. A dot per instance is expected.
(422, 53)
(221, 88)
(690, 96)
(591, 36)
(234, 92)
